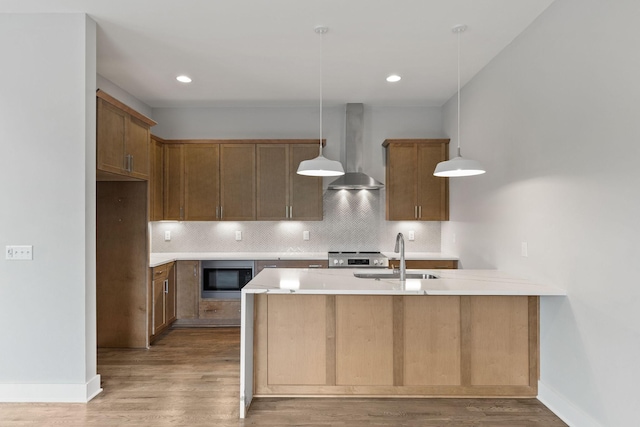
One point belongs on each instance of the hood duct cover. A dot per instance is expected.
(354, 178)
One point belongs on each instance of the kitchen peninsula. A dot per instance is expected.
(468, 333)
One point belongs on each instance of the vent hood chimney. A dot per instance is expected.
(354, 178)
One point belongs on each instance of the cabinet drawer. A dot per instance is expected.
(160, 272)
(424, 263)
(290, 263)
(220, 309)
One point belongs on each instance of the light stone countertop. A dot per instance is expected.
(159, 258)
(343, 282)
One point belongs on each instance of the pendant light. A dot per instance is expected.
(320, 166)
(458, 166)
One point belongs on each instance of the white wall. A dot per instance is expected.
(123, 96)
(47, 140)
(554, 119)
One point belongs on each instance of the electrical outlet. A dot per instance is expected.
(24, 252)
(524, 249)
(167, 235)
(412, 235)
(238, 235)
(305, 235)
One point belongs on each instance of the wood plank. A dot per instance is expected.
(260, 328)
(331, 340)
(432, 340)
(364, 340)
(201, 182)
(499, 340)
(296, 352)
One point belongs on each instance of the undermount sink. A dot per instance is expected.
(395, 275)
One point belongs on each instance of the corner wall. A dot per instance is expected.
(47, 139)
(554, 119)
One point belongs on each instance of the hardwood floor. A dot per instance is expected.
(190, 377)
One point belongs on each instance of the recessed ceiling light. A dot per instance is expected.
(183, 79)
(393, 78)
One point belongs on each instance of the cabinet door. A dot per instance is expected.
(188, 289)
(170, 296)
(238, 182)
(305, 192)
(433, 191)
(402, 175)
(137, 148)
(111, 135)
(272, 181)
(201, 182)
(156, 181)
(173, 182)
(158, 304)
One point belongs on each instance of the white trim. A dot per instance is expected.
(564, 409)
(56, 393)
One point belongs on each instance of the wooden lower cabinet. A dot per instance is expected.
(163, 299)
(220, 312)
(467, 346)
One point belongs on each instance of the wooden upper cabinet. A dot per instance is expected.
(156, 180)
(238, 182)
(272, 172)
(123, 139)
(173, 182)
(305, 192)
(201, 182)
(413, 193)
(282, 193)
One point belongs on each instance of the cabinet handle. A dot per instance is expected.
(166, 286)
(315, 265)
(220, 212)
(415, 212)
(195, 270)
(290, 212)
(420, 211)
(286, 211)
(181, 213)
(159, 272)
(130, 162)
(217, 212)
(270, 266)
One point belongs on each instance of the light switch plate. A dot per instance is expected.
(22, 252)
(167, 235)
(238, 235)
(412, 235)
(524, 249)
(305, 235)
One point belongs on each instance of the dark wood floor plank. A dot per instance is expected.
(190, 377)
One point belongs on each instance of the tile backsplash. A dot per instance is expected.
(353, 220)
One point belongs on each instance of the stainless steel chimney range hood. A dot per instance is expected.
(354, 178)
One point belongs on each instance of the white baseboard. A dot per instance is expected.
(58, 393)
(565, 410)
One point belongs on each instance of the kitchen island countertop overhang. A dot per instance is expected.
(387, 314)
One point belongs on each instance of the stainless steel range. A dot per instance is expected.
(357, 260)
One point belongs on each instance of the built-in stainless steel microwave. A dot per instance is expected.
(225, 279)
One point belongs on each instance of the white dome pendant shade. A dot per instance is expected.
(320, 166)
(458, 166)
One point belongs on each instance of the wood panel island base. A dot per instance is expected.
(326, 333)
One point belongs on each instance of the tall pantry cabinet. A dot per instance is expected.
(122, 214)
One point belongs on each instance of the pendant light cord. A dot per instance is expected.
(321, 32)
(459, 155)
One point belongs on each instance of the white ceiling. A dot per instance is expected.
(265, 52)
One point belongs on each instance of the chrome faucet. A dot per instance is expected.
(400, 248)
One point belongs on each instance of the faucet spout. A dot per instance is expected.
(400, 248)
